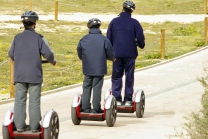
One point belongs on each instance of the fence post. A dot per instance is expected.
(12, 79)
(30, 4)
(162, 43)
(205, 30)
(56, 11)
(205, 6)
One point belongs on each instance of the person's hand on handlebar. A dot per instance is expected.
(54, 63)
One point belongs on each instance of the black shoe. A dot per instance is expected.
(87, 111)
(81, 110)
(36, 130)
(97, 111)
(20, 130)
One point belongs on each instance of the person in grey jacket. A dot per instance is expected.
(94, 49)
(26, 51)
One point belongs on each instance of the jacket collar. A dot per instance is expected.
(125, 14)
(94, 31)
(30, 29)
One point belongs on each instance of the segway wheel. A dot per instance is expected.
(52, 131)
(5, 132)
(140, 106)
(111, 113)
(74, 117)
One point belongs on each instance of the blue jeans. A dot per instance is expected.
(121, 65)
(34, 90)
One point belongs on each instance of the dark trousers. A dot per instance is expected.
(89, 83)
(120, 66)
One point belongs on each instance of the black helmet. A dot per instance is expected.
(93, 22)
(129, 5)
(29, 16)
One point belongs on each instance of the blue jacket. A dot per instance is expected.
(125, 34)
(94, 49)
(26, 50)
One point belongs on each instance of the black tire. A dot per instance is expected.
(111, 113)
(52, 131)
(5, 132)
(140, 106)
(75, 119)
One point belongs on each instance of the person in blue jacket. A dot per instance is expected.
(125, 34)
(94, 49)
(26, 51)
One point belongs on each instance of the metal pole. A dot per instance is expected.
(162, 43)
(56, 11)
(12, 79)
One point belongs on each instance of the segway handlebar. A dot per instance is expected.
(46, 61)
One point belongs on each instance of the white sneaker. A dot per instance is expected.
(128, 103)
(118, 103)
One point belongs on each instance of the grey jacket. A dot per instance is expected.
(94, 49)
(26, 50)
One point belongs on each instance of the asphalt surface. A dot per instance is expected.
(172, 93)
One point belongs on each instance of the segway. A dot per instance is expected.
(138, 104)
(109, 114)
(49, 127)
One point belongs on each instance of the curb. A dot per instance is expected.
(108, 77)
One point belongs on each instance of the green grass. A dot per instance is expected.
(64, 36)
(104, 6)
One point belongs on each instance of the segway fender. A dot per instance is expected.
(138, 95)
(108, 93)
(77, 100)
(47, 118)
(9, 117)
(108, 102)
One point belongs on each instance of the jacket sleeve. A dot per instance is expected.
(11, 51)
(140, 38)
(109, 32)
(79, 51)
(46, 51)
(109, 50)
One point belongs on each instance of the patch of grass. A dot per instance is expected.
(104, 6)
(64, 37)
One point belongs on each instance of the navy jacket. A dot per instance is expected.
(26, 50)
(125, 34)
(94, 49)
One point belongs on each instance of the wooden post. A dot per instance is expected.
(56, 11)
(12, 79)
(162, 43)
(205, 30)
(205, 6)
(30, 4)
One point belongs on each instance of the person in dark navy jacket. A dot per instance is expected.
(26, 51)
(94, 49)
(125, 34)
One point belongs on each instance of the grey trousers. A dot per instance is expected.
(89, 83)
(21, 90)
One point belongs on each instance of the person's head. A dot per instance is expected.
(29, 19)
(94, 23)
(128, 6)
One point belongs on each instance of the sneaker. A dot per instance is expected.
(99, 111)
(87, 111)
(20, 130)
(119, 103)
(35, 131)
(128, 103)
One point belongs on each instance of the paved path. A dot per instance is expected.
(172, 92)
